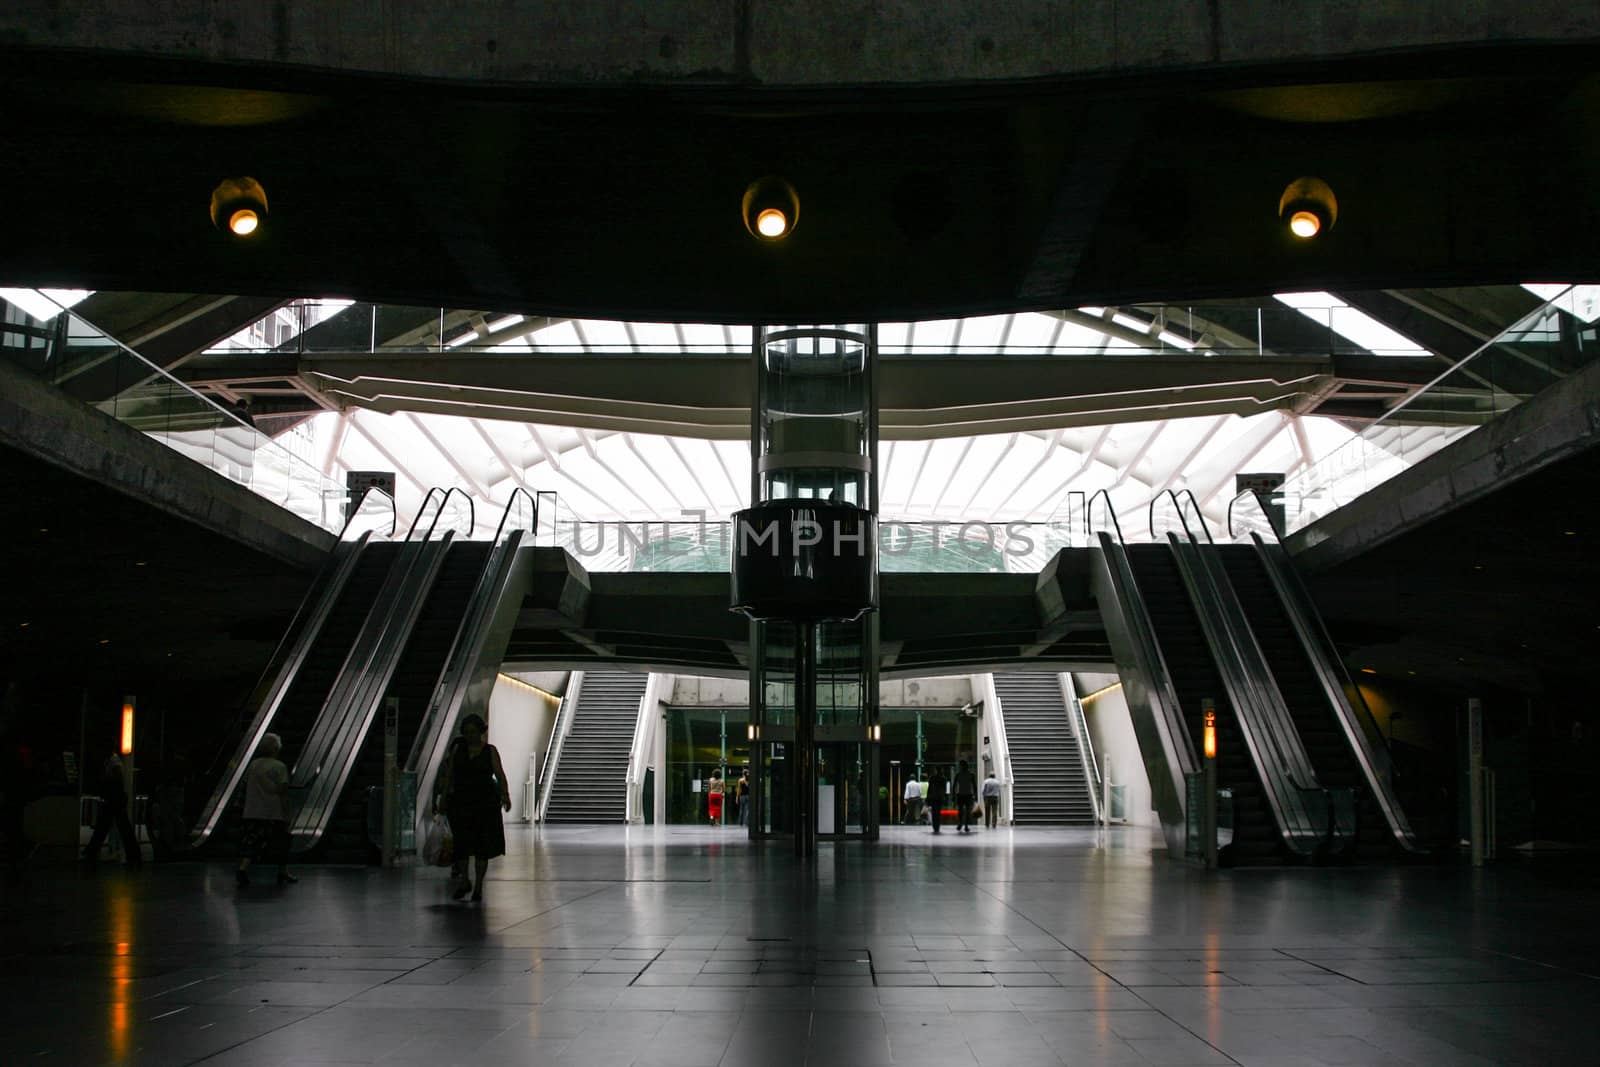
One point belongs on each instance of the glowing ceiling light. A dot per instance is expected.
(771, 208)
(1305, 224)
(238, 206)
(772, 223)
(1308, 207)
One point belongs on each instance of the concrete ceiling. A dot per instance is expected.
(918, 201)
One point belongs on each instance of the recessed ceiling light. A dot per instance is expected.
(771, 208)
(105, 640)
(1571, 533)
(139, 563)
(1308, 207)
(238, 206)
(1368, 670)
(1305, 224)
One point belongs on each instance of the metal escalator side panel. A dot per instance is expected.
(314, 752)
(304, 630)
(351, 722)
(474, 661)
(1164, 742)
(1353, 716)
(1297, 825)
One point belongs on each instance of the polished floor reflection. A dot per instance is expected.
(686, 946)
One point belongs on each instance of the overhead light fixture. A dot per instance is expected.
(238, 206)
(771, 208)
(1308, 207)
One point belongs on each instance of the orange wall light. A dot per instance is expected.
(1211, 735)
(127, 726)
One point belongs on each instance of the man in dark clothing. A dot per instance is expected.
(113, 812)
(938, 792)
(966, 797)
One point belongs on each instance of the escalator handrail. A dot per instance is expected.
(1254, 714)
(371, 633)
(350, 720)
(1349, 706)
(1111, 513)
(1259, 499)
(1178, 496)
(453, 678)
(288, 657)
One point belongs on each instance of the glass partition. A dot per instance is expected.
(77, 358)
(1537, 351)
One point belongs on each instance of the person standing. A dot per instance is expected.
(966, 797)
(473, 795)
(714, 797)
(991, 801)
(938, 793)
(266, 813)
(113, 813)
(742, 795)
(913, 799)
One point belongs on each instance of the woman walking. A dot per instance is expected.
(474, 793)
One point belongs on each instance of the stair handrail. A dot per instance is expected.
(1080, 727)
(290, 655)
(517, 522)
(558, 736)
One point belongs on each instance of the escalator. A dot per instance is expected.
(346, 838)
(308, 682)
(1298, 684)
(1194, 675)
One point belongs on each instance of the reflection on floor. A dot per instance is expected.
(685, 946)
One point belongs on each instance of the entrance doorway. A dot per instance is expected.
(916, 740)
(705, 747)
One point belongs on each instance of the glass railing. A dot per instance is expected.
(83, 362)
(310, 327)
(1539, 350)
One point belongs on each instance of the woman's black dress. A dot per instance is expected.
(474, 808)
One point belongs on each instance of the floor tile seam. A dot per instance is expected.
(1180, 1024)
(1324, 967)
(547, 911)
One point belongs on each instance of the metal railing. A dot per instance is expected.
(1541, 348)
(84, 362)
(1198, 331)
(558, 735)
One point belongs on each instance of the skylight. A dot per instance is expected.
(45, 304)
(1352, 324)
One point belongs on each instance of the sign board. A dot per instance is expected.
(1266, 487)
(358, 482)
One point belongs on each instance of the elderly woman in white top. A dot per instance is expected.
(266, 812)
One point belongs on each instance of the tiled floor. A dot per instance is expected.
(602, 946)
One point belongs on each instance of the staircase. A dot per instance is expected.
(1045, 761)
(592, 776)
